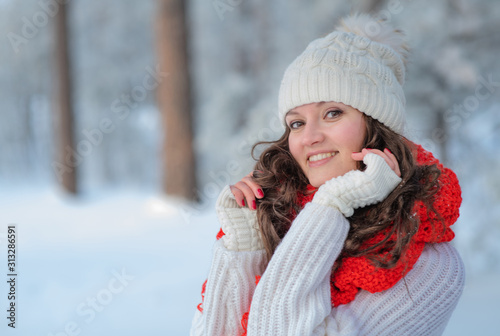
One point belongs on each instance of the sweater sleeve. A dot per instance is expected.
(238, 224)
(229, 290)
(293, 295)
(237, 259)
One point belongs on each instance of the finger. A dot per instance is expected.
(391, 161)
(357, 156)
(248, 194)
(392, 164)
(238, 195)
(394, 160)
(256, 188)
(387, 155)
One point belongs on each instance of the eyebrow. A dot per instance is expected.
(295, 112)
(291, 113)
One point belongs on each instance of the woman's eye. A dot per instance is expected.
(295, 124)
(333, 114)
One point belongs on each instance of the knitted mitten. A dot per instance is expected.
(357, 189)
(241, 230)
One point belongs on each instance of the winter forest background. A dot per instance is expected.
(121, 256)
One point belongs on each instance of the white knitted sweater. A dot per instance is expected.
(293, 295)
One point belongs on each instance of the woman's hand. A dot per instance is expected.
(239, 225)
(247, 189)
(389, 158)
(357, 189)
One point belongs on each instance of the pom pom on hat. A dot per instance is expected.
(360, 64)
(376, 30)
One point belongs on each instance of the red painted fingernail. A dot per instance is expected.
(243, 202)
(254, 205)
(389, 150)
(260, 192)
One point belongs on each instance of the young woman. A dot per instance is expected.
(343, 227)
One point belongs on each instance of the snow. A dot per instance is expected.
(124, 262)
(70, 250)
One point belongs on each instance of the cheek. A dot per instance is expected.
(355, 135)
(295, 149)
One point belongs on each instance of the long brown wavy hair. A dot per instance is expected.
(282, 179)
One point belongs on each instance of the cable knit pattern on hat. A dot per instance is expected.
(354, 67)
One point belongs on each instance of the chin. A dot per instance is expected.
(318, 182)
(317, 185)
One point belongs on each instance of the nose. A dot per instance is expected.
(312, 134)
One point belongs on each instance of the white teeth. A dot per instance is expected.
(320, 156)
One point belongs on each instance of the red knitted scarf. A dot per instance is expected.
(357, 273)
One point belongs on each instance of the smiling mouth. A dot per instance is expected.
(321, 156)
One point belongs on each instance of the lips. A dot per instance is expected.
(318, 159)
(321, 156)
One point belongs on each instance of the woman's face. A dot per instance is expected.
(322, 138)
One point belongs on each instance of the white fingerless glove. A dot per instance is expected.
(239, 224)
(357, 189)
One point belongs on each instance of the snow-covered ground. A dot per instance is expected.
(129, 263)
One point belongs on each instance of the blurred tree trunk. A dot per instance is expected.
(174, 100)
(63, 100)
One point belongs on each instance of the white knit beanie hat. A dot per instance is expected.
(360, 64)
